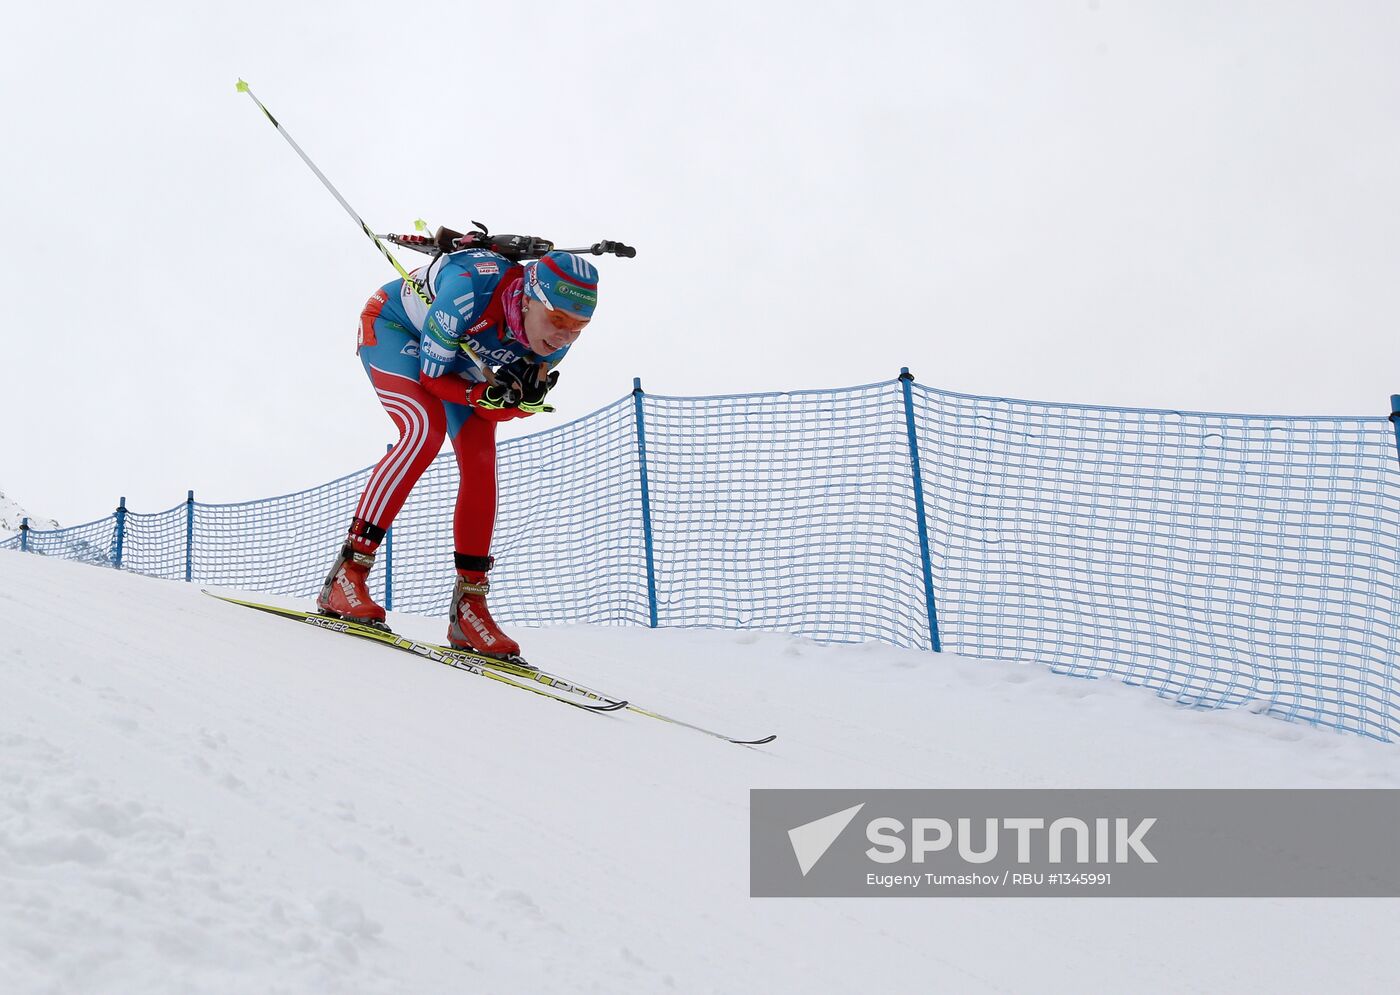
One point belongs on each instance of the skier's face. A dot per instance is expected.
(547, 331)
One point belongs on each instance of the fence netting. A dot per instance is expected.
(792, 512)
(1222, 560)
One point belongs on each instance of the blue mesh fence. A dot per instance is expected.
(1222, 560)
(281, 545)
(156, 544)
(94, 542)
(791, 511)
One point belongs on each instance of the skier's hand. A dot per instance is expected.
(503, 395)
(532, 394)
(498, 402)
(528, 381)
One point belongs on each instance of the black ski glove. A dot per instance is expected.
(527, 383)
(499, 396)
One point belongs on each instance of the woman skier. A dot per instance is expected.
(520, 320)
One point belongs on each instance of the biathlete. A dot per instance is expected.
(520, 319)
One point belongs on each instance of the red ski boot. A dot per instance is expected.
(345, 593)
(470, 625)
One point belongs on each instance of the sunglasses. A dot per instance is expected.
(567, 322)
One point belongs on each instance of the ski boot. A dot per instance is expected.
(470, 625)
(345, 594)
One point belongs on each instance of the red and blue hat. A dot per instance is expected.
(563, 281)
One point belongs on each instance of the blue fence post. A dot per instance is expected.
(907, 382)
(189, 537)
(121, 533)
(637, 394)
(1395, 420)
(389, 559)
(24, 535)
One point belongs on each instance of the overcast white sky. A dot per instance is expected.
(1174, 204)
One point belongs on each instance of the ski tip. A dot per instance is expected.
(755, 742)
(611, 706)
(241, 86)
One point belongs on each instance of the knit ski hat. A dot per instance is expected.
(563, 281)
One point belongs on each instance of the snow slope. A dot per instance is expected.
(198, 798)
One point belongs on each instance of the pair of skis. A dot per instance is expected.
(517, 675)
